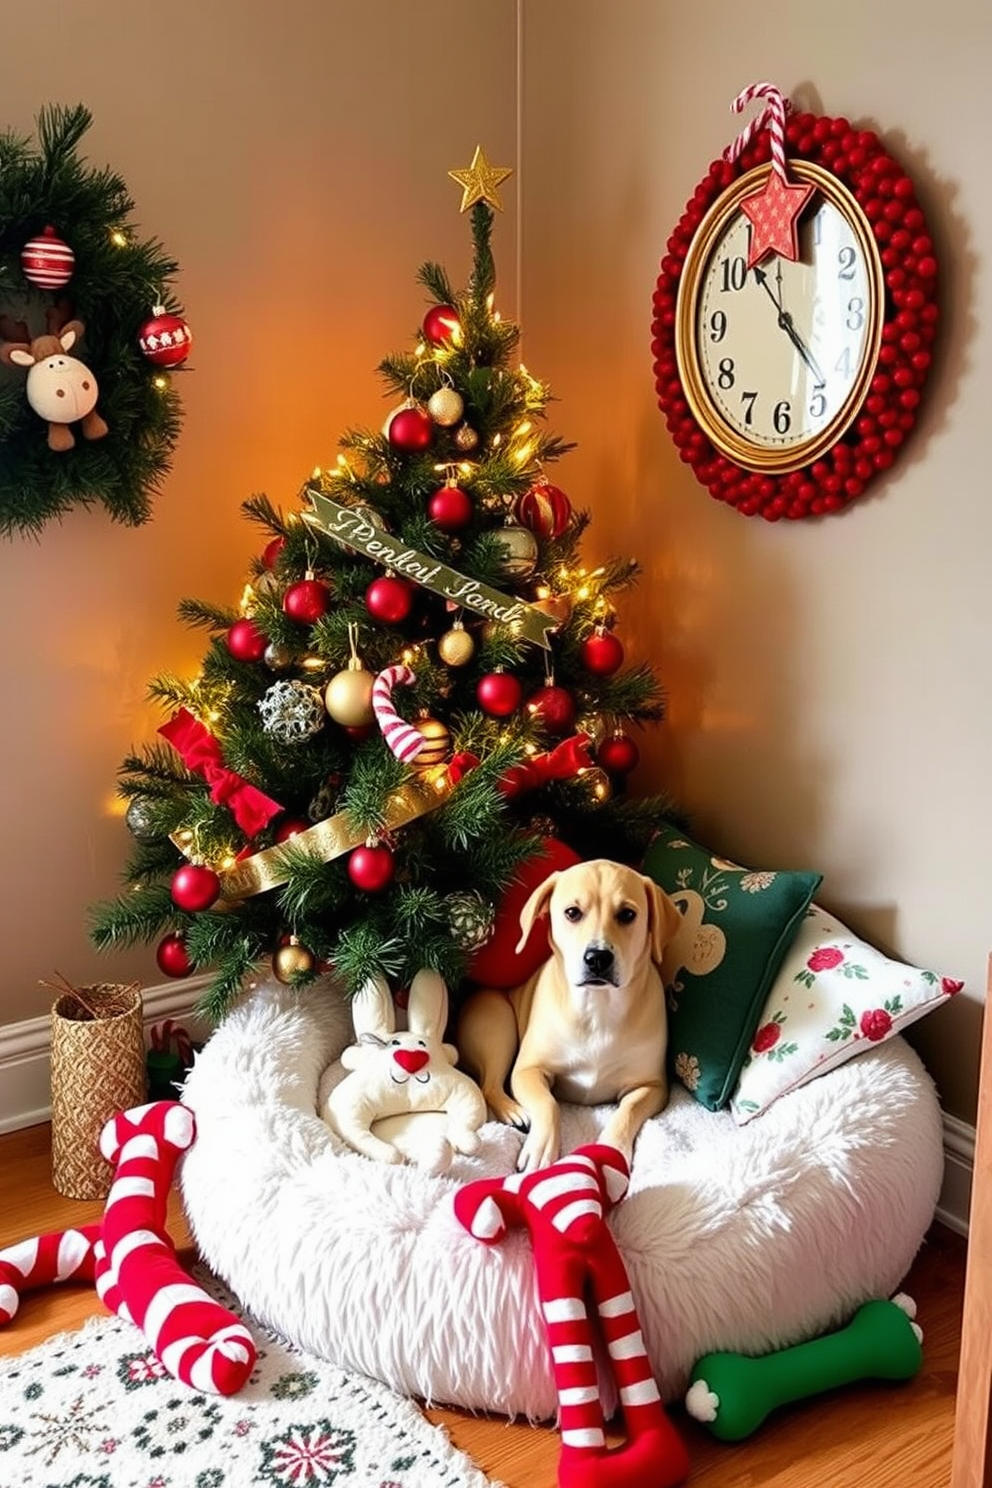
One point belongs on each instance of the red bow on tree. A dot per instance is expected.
(201, 753)
(560, 763)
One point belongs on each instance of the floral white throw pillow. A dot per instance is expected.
(834, 997)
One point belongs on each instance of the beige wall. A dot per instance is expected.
(829, 679)
(293, 157)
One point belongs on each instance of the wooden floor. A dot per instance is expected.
(865, 1436)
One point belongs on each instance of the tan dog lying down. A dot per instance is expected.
(591, 1025)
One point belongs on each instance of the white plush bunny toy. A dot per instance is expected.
(405, 1084)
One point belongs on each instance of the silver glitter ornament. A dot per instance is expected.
(140, 820)
(292, 712)
(277, 657)
(519, 556)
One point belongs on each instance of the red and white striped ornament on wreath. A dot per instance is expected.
(405, 741)
(46, 261)
(544, 509)
(165, 338)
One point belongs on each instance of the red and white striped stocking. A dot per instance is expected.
(575, 1257)
(61, 1255)
(137, 1273)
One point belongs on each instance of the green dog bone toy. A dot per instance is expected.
(732, 1393)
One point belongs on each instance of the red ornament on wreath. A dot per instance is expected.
(46, 261)
(618, 754)
(554, 707)
(602, 653)
(172, 957)
(796, 456)
(450, 508)
(306, 600)
(441, 325)
(499, 694)
(165, 338)
(371, 868)
(194, 887)
(389, 599)
(245, 641)
(544, 509)
(410, 429)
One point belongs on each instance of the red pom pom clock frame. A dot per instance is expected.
(815, 473)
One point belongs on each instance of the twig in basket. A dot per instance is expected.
(63, 987)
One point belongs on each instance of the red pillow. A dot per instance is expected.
(497, 963)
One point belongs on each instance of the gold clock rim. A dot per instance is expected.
(713, 425)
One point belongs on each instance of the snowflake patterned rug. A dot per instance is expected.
(95, 1409)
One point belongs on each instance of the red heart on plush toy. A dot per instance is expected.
(411, 1060)
(498, 963)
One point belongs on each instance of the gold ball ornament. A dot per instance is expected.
(519, 551)
(437, 742)
(348, 696)
(597, 784)
(456, 646)
(593, 724)
(292, 960)
(466, 438)
(445, 407)
(277, 657)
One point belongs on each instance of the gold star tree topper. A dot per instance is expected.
(480, 180)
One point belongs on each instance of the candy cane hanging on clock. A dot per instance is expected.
(794, 314)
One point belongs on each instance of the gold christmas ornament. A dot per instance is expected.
(292, 960)
(519, 545)
(597, 784)
(480, 181)
(593, 724)
(445, 407)
(466, 438)
(456, 646)
(348, 695)
(437, 742)
(277, 656)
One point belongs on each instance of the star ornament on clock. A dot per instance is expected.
(774, 213)
(480, 181)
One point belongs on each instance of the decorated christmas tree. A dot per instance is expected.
(421, 691)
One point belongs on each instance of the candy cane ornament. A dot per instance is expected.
(775, 208)
(575, 1259)
(403, 739)
(132, 1260)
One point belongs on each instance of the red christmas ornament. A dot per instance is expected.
(194, 887)
(499, 694)
(440, 324)
(245, 641)
(410, 430)
(618, 755)
(371, 868)
(46, 261)
(271, 551)
(450, 509)
(602, 653)
(389, 599)
(498, 963)
(359, 732)
(554, 707)
(173, 957)
(544, 509)
(306, 600)
(165, 338)
(291, 827)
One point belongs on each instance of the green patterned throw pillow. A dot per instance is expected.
(738, 924)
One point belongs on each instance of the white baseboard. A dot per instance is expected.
(25, 1051)
(25, 1089)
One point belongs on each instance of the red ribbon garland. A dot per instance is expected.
(201, 753)
(560, 763)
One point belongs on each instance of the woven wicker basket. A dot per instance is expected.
(98, 1069)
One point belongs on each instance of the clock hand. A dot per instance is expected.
(785, 321)
(762, 279)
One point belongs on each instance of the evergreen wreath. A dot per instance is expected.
(116, 280)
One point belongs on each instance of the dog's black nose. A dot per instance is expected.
(598, 959)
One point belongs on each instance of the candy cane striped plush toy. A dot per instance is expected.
(575, 1257)
(133, 1261)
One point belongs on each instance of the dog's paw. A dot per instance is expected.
(539, 1150)
(505, 1109)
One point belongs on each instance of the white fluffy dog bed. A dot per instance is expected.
(746, 1238)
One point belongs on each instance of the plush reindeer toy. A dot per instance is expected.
(60, 388)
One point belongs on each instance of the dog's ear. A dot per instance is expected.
(536, 905)
(664, 919)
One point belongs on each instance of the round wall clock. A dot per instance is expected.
(790, 383)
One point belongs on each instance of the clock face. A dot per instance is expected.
(777, 359)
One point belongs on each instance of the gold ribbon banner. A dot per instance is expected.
(333, 837)
(353, 529)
